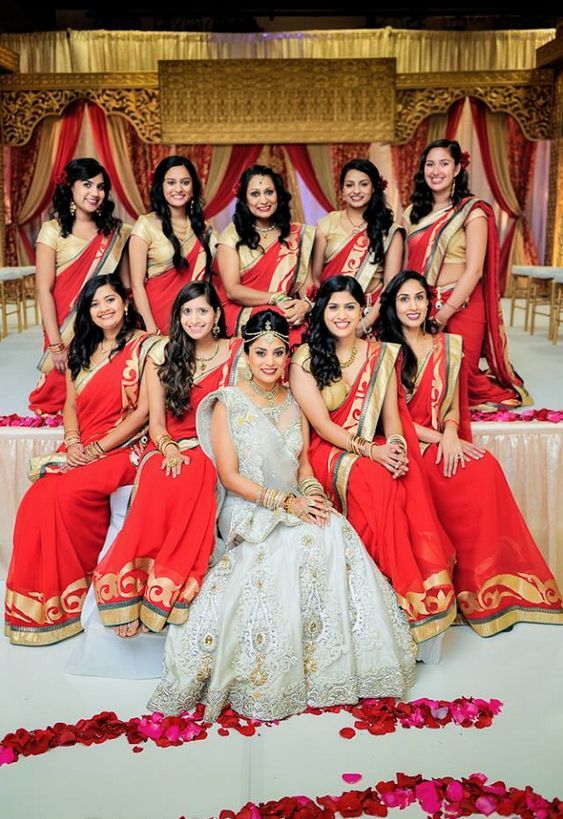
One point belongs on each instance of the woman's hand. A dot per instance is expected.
(450, 451)
(59, 361)
(174, 460)
(76, 456)
(295, 311)
(472, 450)
(392, 457)
(312, 509)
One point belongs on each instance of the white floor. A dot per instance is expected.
(303, 755)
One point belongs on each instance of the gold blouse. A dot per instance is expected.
(160, 252)
(333, 394)
(68, 248)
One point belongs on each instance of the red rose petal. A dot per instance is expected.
(351, 778)
(347, 733)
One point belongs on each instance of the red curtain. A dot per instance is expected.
(299, 156)
(241, 157)
(454, 116)
(405, 160)
(20, 176)
(521, 163)
(100, 131)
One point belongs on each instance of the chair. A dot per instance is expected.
(11, 293)
(520, 289)
(556, 305)
(29, 294)
(540, 294)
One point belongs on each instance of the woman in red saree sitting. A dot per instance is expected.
(156, 564)
(83, 239)
(347, 388)
(169, 247)
(263, 257)
(63, 518)
(362, 240)
(500, 576)
(452, 240)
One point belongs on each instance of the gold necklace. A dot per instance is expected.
(202, 360)
(356, 228)
(270, 395)
(350, 359)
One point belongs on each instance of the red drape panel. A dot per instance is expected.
(241, 157)
(521, 163)
(101, 138)
(301, 161)
(20, 177)
(454, 116)
(405, 160)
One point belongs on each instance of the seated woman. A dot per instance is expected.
(82, 240)
(362, 240)
(62, 520)
(262, 256)
(347, 388)
(169, 247)
(295, 612)
(500, 576)
(156, 564)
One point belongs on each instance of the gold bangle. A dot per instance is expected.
(451, 421)
(399, 440)
(288, 503)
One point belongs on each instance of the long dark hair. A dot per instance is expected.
(244, 220)
(378, 216)
(194, 210)
(258, 323)
(88, 335)
(422, 198)
(81, 170)
(325, 365)
(389, 328)
(178, 369)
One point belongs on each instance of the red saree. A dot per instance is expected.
(395, 518)
(49, 394)
(169, 532)
(282, 267)
(480, 323)
(500, 576)
(163, 288)
(63, 518)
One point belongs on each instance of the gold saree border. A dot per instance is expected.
(39, 616)
(488, 627)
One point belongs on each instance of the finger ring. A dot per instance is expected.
(172, 462)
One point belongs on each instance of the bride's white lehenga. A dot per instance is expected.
(292, 614)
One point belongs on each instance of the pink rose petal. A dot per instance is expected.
(351, 778)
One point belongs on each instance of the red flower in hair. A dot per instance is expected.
(382, 183)
(465, 159)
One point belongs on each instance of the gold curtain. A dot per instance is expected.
(415, 51)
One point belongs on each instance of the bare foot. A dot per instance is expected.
(128, 629)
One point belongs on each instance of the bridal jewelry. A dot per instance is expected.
(202, 360)
(265, 230)
(356, 228)
(350, 359)
(269, 395)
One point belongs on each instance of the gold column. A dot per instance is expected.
(551, 55)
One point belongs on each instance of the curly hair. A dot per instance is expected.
(244, 220)
(177, 371)
(325, 365)
(422, 198)
(88, 335)
(389, 328)
(194, 210)
(80, 170)
(378, 215)
(259, 322)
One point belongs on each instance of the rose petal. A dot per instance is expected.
(347, 733)
(351, 778)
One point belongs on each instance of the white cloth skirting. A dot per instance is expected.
(303, 618)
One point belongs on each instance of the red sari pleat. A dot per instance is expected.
(162, 289)
(169, 532)
(500, 576)
(63, 518)
(395, 519)
(49, 395)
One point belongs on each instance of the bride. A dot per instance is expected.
(295, 612)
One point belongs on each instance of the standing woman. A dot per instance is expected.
(156, 564)
(63, 519)
(500, 576)
(362, 240)
(169, 247)
(347, 388)
(452, 240)
(82, 240)
(263, 257)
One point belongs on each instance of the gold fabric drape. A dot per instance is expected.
(415, 51)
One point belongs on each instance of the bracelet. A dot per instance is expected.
(270, 498)
(277, 298)
(308, 301)
(71, 440)
(56, 348)
(94, 450)
(451, 421)
(311, 486)
(288, 503)
(398, 440)
(358, 445)
(163, 441)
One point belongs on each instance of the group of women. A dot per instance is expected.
(326, 452)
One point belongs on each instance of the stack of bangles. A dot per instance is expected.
(275, 499)
(358, 445)
(277, 298)
(59, 347)
(311, 486)
(161, 443)
(94, 450)
(398, 441)
(72, 437)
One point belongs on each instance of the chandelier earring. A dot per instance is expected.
(216, 329)
(72, 208)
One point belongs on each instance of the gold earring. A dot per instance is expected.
(453, 188)
(216, 330)
(248, 375)
(72, 208)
